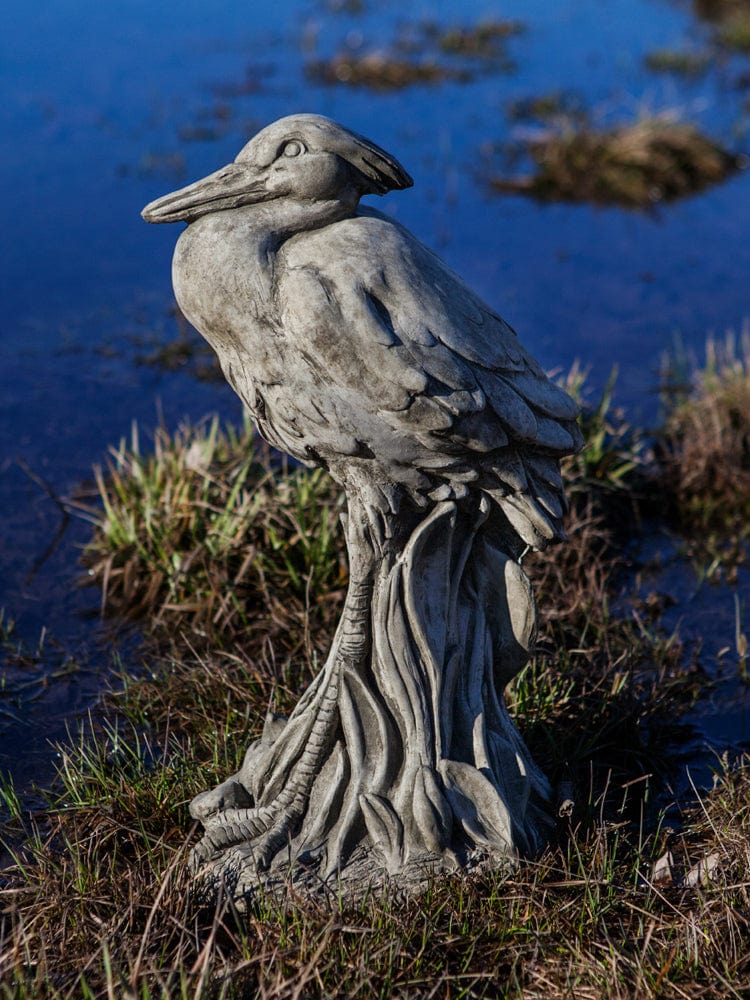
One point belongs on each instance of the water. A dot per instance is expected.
(98, 102)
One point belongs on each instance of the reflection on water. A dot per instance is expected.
(107, 106)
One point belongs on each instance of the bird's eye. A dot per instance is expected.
(293, 148)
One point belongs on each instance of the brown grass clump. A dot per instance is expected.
(485, 40)
(380, 71)
(631, 165)
(680, 62)
(731, 21)
(554, 106)
(174, 346)
(421, 54)
(188, 352)
(705, 444)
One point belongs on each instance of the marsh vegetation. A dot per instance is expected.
(636, 165)
(682, 62)
(421, 53)
(234, 564)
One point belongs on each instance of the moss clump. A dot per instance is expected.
(730, 20)
(631, 165)
(380, 71)
(485, 40)
(681, 63)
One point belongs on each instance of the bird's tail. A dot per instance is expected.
(529, 491)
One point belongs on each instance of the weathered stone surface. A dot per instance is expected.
(357, 349)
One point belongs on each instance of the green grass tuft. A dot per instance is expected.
(204, 534)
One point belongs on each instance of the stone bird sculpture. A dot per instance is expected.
(356, 349)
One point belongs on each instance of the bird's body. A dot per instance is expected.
(355, 348)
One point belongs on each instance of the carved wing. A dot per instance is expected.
(414, 369)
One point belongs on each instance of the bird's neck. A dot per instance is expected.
(224, 269)
(274, 222)
(265, 228)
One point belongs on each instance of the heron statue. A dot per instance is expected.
(356, 349)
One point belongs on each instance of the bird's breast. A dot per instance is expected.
(222, 283)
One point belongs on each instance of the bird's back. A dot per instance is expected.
(401, 366)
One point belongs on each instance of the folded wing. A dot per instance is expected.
(425, 373)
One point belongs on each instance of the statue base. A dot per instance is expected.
(239, 880)
(400, 760)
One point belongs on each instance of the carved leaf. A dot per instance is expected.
(475, 801)
(354, 734)
(385, 829)
(509, 769)
(504, 587)
(427, 583)
(326, 796)
(431, 810)
(383, 747)
(394, 665)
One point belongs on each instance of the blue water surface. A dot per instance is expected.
(99, 103)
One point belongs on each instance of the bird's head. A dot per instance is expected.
(302, 157)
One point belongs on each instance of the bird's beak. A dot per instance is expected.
(234, 185)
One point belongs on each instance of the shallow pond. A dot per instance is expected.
(107, 106)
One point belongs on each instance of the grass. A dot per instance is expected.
(654, 159)
(205, 534)
(626, 901)
(707, 432)
(99, 905)
(26, 672)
